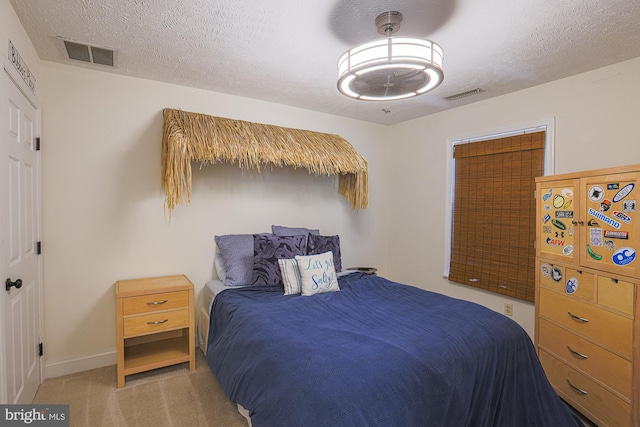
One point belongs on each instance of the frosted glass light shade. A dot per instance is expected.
(390, 68)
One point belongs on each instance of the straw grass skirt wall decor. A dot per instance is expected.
(198, 137)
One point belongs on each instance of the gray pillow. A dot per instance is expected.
(237, 258)
(280, 230)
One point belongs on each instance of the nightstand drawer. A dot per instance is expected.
(156, 322)
(155, 302)
(585, 394)
(604, 327)
(613, 371)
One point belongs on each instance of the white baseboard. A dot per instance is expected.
(71, 366)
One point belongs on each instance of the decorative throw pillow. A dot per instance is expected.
(290, 276)
(279, 230)
(267, 249)
(237, 258)
(317, 274)
(320, 244)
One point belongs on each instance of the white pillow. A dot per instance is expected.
(317, 273)
(219, 264)
(290, 276)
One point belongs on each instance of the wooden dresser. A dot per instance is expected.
(587, 276)
(155, 324)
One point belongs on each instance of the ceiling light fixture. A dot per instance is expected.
(391, 68)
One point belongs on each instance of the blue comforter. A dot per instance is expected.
(376, 353)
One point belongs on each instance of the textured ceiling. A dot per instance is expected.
(285, 51)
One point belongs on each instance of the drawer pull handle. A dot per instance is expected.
(578, 318)
(579, 390)
(159, 322)
(157, 302)
(575, 353)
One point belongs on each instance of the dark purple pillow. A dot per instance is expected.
(267, 249)
(320, 244)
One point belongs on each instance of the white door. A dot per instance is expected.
(20, 307)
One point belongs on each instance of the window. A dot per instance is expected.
(493, 212)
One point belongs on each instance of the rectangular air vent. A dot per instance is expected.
(89, 54)
(464, 94)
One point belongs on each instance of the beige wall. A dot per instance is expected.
(596, 118)
(103, 209)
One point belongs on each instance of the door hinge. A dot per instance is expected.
(38, 248)
(40, 350)
(37, 143)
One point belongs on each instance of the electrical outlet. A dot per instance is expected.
(508, 309)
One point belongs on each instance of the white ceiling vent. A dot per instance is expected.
(90, 54)
(464, 94)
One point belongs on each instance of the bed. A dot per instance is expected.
(375, 353)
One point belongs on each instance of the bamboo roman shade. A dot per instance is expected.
(197, 137)
(494, 227)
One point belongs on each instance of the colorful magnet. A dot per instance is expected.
(624, 192)
(628, 205)
(622, 216)
(592, 254)
(595, 236)
(614, 234)
(556, 274)
(545, 269)
(571, 286)
(609, 244)
(624, 256)
(604, 218)
(564, 214)
(554, 242)
(558, 201)
(596, 193)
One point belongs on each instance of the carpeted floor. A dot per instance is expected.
(172, 396)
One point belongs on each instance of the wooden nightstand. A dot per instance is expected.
(154, 324)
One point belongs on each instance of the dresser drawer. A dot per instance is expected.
(154, 302)
(569, 281)
(552, 276)
(616, 294)
(572, 386)
(611, 330)
(156, 322)
(613, 371)
(580, 284)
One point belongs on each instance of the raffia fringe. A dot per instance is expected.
(198, 137)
